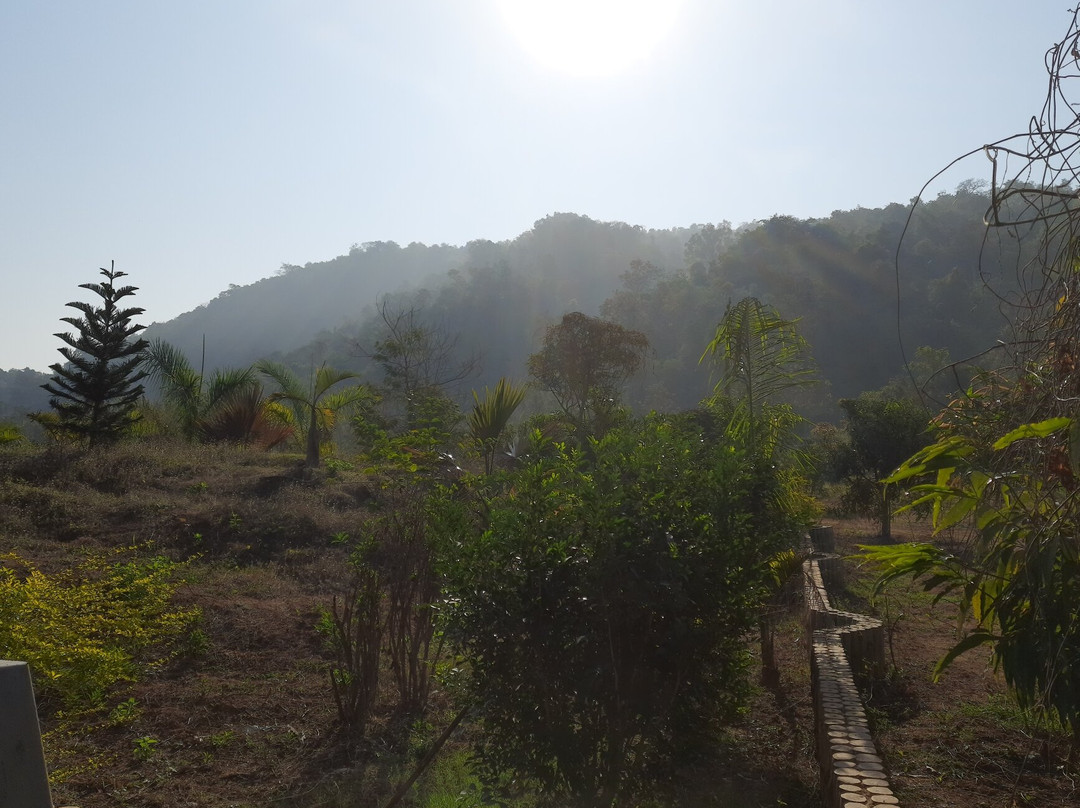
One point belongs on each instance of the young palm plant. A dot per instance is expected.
(195, 400)
(489, 417)
(314, 406)
(9, 433)
(760, 356)
(250, 418)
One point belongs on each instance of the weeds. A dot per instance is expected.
(125, 712)
(222, 739)
(144, 748)
(86, 628)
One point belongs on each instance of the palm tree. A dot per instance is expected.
(760, 355)
(489, 417)
(193, 398)
(313, 405)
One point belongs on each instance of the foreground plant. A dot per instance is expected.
(1006, 463)
(1019, 580)
(87, 628)
(604, 609)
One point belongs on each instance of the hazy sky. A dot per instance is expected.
(206, 143)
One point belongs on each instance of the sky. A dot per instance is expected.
(202, 144)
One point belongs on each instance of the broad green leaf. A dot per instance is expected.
(972, 640)
(964, 505)
(945, 454)
(1037, 430)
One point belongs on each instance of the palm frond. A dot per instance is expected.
(489, 417)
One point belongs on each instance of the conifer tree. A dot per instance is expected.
(95, 391)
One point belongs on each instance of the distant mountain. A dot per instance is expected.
(20, 393)
(578, 259)
(277, 314)
(839, 275)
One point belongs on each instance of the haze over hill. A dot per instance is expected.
(569, 262)
(204, 144)
(837, 275)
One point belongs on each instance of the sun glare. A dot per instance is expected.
(589, 37)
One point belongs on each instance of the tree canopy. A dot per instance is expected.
(583, 363)
(882, 433)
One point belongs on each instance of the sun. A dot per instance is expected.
(589, 38)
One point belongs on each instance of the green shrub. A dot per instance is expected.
(84, 629)
(603, 612)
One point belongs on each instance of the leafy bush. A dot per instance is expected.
(603, 611)
(84, 629)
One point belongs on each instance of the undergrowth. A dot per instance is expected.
(83, 629)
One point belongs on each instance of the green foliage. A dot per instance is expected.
(1019, 582)
(603, 608)
(144, 748)
(880, 434)
(9, 433)
(760, 355)
(369, 425)
(313, 405)
(489, 418)
(86, 628)
(433, 419)
(583, 364)
(125, 712)
(426, 439)
(94, 392)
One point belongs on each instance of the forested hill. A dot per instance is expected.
(841, 277)
(570, 262)
(20, 393)
(837, 274)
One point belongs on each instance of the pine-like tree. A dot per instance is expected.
(95, 391)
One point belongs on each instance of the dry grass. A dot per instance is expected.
(243, 714)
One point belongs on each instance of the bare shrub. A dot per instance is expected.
(353, 628)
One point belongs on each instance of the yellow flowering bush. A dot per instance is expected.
(90, 626)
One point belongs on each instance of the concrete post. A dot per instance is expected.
(822, 539)
(24, 783)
